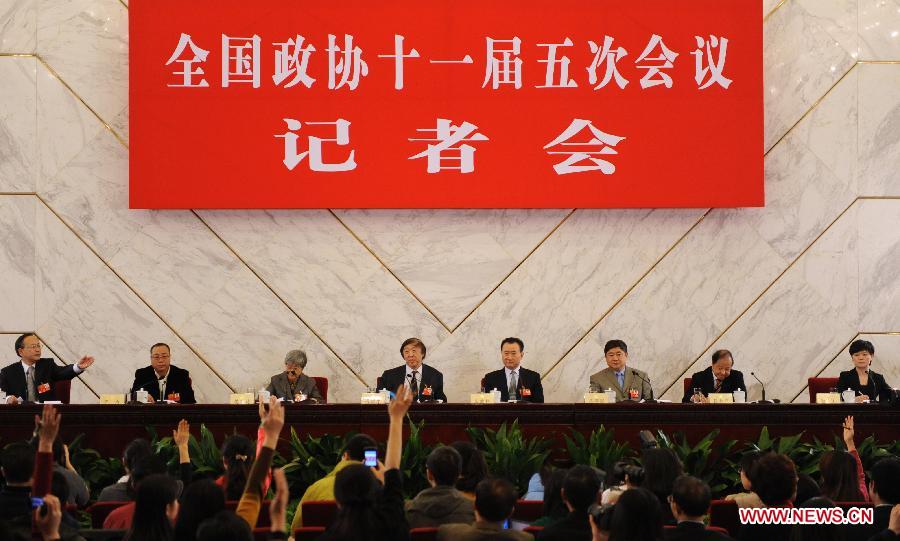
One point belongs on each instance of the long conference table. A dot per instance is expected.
(108, 428)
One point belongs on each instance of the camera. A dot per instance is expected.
(602, 515)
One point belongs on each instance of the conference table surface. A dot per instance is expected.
(108, 428)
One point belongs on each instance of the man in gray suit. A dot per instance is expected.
(495, 499)
(627, 382)
(293, 384)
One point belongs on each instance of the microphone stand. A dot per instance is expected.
(651, 400)
(763, 385)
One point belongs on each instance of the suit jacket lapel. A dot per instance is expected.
(629, 379)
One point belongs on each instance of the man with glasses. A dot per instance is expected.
(161, 380)
(31, 378)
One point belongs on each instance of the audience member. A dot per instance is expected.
(774, 479)
(271, 423)
(442, 503)
(78, 493)
(637, 516)
(495, 499)
(369, 510)
(474, 468)
(224, 526)
(18, 465)
(748, 498)
(59, 487)
(237, 455)
(119, 492)
(121, 517)
(201, 500)
(155, 509)
(843, 477)
(535, 490)
(554, 507)
(689, 503)
(661, 468)
(323, 489)
(818, 532)
(622, 476)
(892, 532)
(807, 489)
(581, 489)
(885, 489)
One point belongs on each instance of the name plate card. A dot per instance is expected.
(483, 398)
(828, 398)
(721, 398)
(375, 398)
(241, 398)
(598, 398)
(112, 399)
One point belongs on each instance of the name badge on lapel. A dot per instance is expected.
(525, 391)
(43, 388)
(633, 394)
(427, 391)
(174, 397)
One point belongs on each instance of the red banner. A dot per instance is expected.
(445, 104)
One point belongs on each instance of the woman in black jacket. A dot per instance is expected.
(867, 384)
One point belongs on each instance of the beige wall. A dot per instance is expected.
(785, 287)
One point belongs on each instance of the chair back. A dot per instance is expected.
(716, 529)
(100, 510)
(322, 384)
(528, 510)
(687, 385)
(63, 390)
(724, 514)
(820, 385)
(423, 534)
(533, 530)
(319, 513)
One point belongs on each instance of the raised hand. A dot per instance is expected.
(272, 421)
(85, 362)
(47, 427)
(47, 520)
(278, 507)
(849, 433)
(400, 404)
(182, 435)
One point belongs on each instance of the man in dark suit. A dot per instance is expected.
(425, 382)
(513, 381)
(580, 489)
(495, 499)
(884, 489)
(689, 502)
(717, 378)
(161, 380)
(31, 378)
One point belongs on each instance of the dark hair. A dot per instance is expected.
(839, 480)
(615, 476)
(661, 468)
(156, 345)
(356, 446)
(721, 354)
(224, 526)
(581, 486)
(513, 340)
(818, 532)
(145, 467)
(474, 467)
(18, 462)
(747, 461)
(615, 344)
(238, 453)
(20, 341)
(886, 479)
(445, 465)
(862, 345)
(59, 487)
(495, 499)
(774, 479)
(554, 506)
(134, 452)
(637, 516)
(807, 488)
(356, 490)
(201, 500)
(692, 495)
(413, 342)
(150, 522)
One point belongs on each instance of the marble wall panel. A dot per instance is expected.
(879, 29)
(86, 42)
(879, 263)
(18, 125)
(331, 281)
(879, 129)
(793, 82)
(17, 261)
(18, 26)
(451, 259)
(558, 294)
(86, 309)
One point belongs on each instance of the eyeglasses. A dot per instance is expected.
(32, 346)
(160, 357)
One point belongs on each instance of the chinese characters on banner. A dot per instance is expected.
(636, 103)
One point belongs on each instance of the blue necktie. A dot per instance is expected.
(620, 377)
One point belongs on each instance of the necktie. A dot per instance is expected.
(414, 384)
(513, 386)
(718, 386)
(162, 388)
(620, 377)
(29, 383)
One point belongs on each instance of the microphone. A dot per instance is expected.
(871, 376)
(647, 379)
(763, 385)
